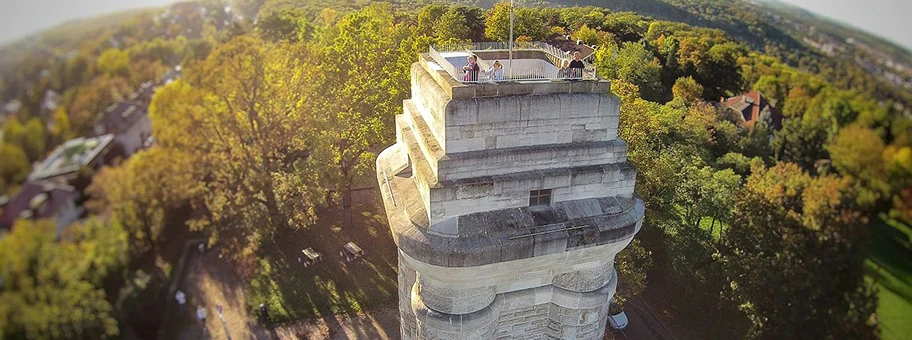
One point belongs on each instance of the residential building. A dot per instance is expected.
(42, 199)
(130, 124)
(64, 163)
(752, 107)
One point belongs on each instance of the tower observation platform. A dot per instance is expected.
(508, 200)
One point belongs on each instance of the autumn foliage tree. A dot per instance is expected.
(52, 289)
(244, 118)
(144, 192)
(796, 263)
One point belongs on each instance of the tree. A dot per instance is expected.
(78, 71)
(142, 192)
(801, 141)
(857, 151)
(575, 17)
(29, 137)
(722, 75)
(245, 116)
(526, 21)
(627, 26)
(451, 26)
(796, 254)
(632, 264)
(165, 51)
(719, 196)
(61, 130)
(105, 247)
(48, 287)
(281, 25)
(362, 64)
(633, 63)
(14, 168)
(771, 87)
(114, 62)
(428, 17)
(687, 89)
(89, 101)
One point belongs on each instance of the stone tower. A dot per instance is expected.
(508, 203)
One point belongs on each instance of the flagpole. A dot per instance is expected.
(511, 40)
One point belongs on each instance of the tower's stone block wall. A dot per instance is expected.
(476, 261)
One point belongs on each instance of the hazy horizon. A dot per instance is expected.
(24, 18)
(883, 18)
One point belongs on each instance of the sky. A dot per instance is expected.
(19, 18)
(887, 18)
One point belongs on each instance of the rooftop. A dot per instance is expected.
(750, 105)
(120, 116)
(531, 62)
(38, 199)
(71, 156)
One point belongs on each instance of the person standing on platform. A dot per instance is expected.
(576, 66)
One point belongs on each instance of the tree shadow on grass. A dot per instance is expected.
(333, 286)
(888, 254)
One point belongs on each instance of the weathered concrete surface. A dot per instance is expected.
(476, 261)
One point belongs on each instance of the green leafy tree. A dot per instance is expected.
(49, 288)
(14, 168)
(114, 62)
(166, 51)
(142, 191)
(797, 259)
(61, 130)
(857, 151)
(29, 137)
(282, 25)
(362, 65)
(634, 63)
(687, 89)
(452, 25)
(632, 264)
(771, 87)
(78, 71)
(526, 22)
(246, 118)
(627, 26)
(428, 17)
(801, 141)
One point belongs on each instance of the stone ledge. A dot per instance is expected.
(500, 235)
(457, 90)
(488, 319)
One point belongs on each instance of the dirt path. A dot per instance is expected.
(377, 324)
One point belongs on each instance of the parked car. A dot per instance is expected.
(311, 257)
(351, 251)
(618, 321)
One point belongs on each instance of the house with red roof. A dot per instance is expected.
(753, 107)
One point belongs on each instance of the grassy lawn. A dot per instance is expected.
(333, 286)
(889, 264)
(706, 224)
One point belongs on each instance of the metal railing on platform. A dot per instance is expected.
(486, 72)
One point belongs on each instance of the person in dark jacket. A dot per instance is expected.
(471, 69)
(576, 66)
